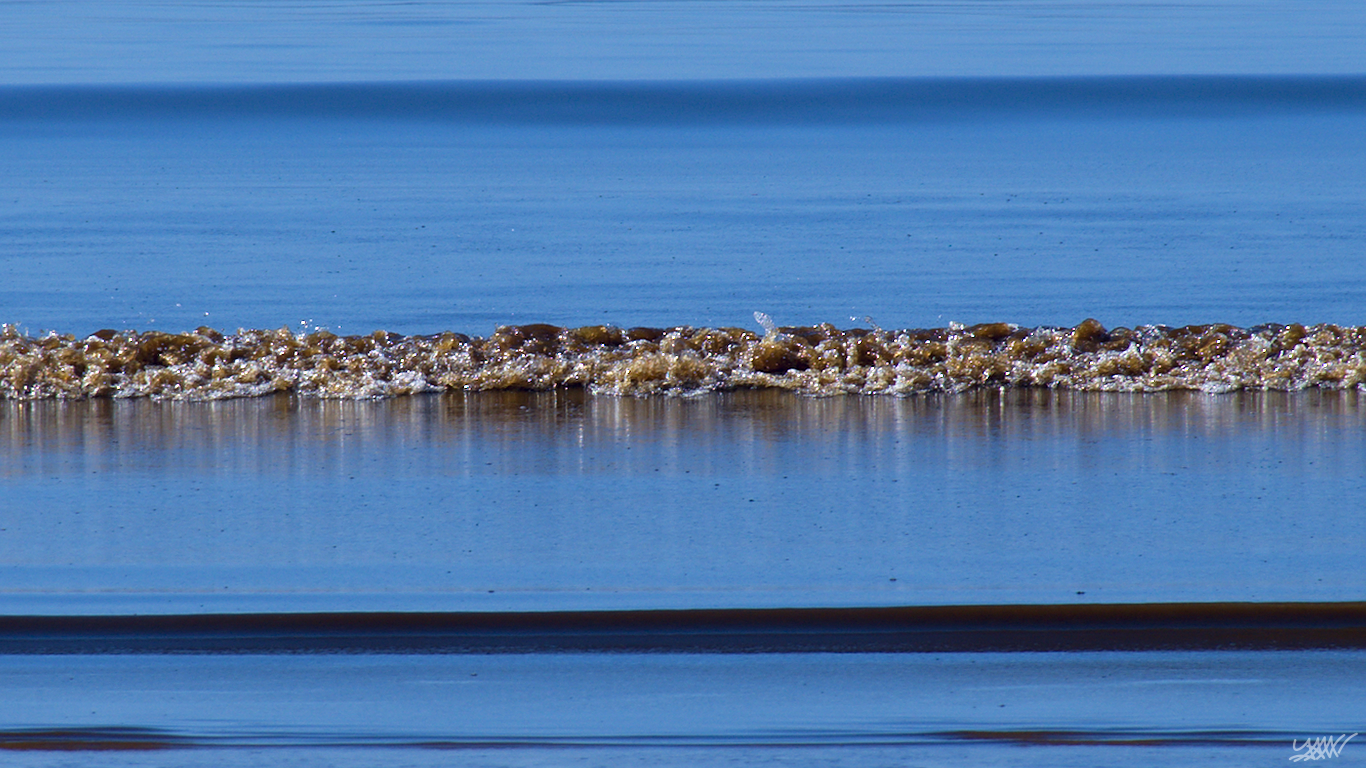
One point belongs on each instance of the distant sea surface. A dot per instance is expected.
(457, 206)
(291, 173)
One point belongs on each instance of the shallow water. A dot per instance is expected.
(567, 500)
(1244, 701)
(449, 168)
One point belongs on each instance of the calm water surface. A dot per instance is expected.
(457, 166)
(1078, 199)
(1221, 708)
(497, 501)
(83, 41)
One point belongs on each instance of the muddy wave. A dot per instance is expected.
(819, 360)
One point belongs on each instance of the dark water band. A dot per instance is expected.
(156, 739)
(938, 629)
(822, 101)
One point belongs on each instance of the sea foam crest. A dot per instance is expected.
(815, 360)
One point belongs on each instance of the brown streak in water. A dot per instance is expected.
(909, 629)
(1095, 739)
(86, 740)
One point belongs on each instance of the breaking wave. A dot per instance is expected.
(819, 360)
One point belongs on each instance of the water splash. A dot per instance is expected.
(813, 360)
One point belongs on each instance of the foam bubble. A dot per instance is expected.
(817, 360)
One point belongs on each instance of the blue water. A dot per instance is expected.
(423, 167)
(916, 203)
(81, 41)
(509, 501)
(505, 709)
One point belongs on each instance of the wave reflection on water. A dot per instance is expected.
(753, 498)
